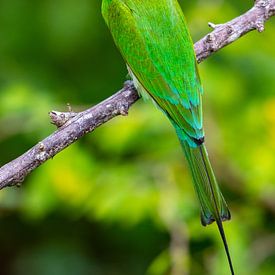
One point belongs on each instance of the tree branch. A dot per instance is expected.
(225, 34)
(73, 126)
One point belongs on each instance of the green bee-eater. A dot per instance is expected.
(155, 43)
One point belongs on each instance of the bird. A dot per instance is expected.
(155, 43)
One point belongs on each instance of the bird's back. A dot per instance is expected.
(153, 39)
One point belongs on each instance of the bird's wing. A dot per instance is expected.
(154, 41)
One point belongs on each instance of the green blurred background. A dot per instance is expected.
(120, 201)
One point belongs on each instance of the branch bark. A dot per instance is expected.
(73, 126)
(225, 34)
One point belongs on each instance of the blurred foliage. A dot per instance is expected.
(118, 202)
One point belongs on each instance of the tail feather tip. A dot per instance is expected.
(226, 216)
(208, 219)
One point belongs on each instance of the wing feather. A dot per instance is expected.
(157, 47)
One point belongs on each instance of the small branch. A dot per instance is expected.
(60, 118)
(225, 34)
(82, 123)
(73, 126)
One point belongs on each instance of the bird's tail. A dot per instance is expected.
(213, 205)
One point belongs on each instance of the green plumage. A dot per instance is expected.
(155, 43)
(157, 50)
